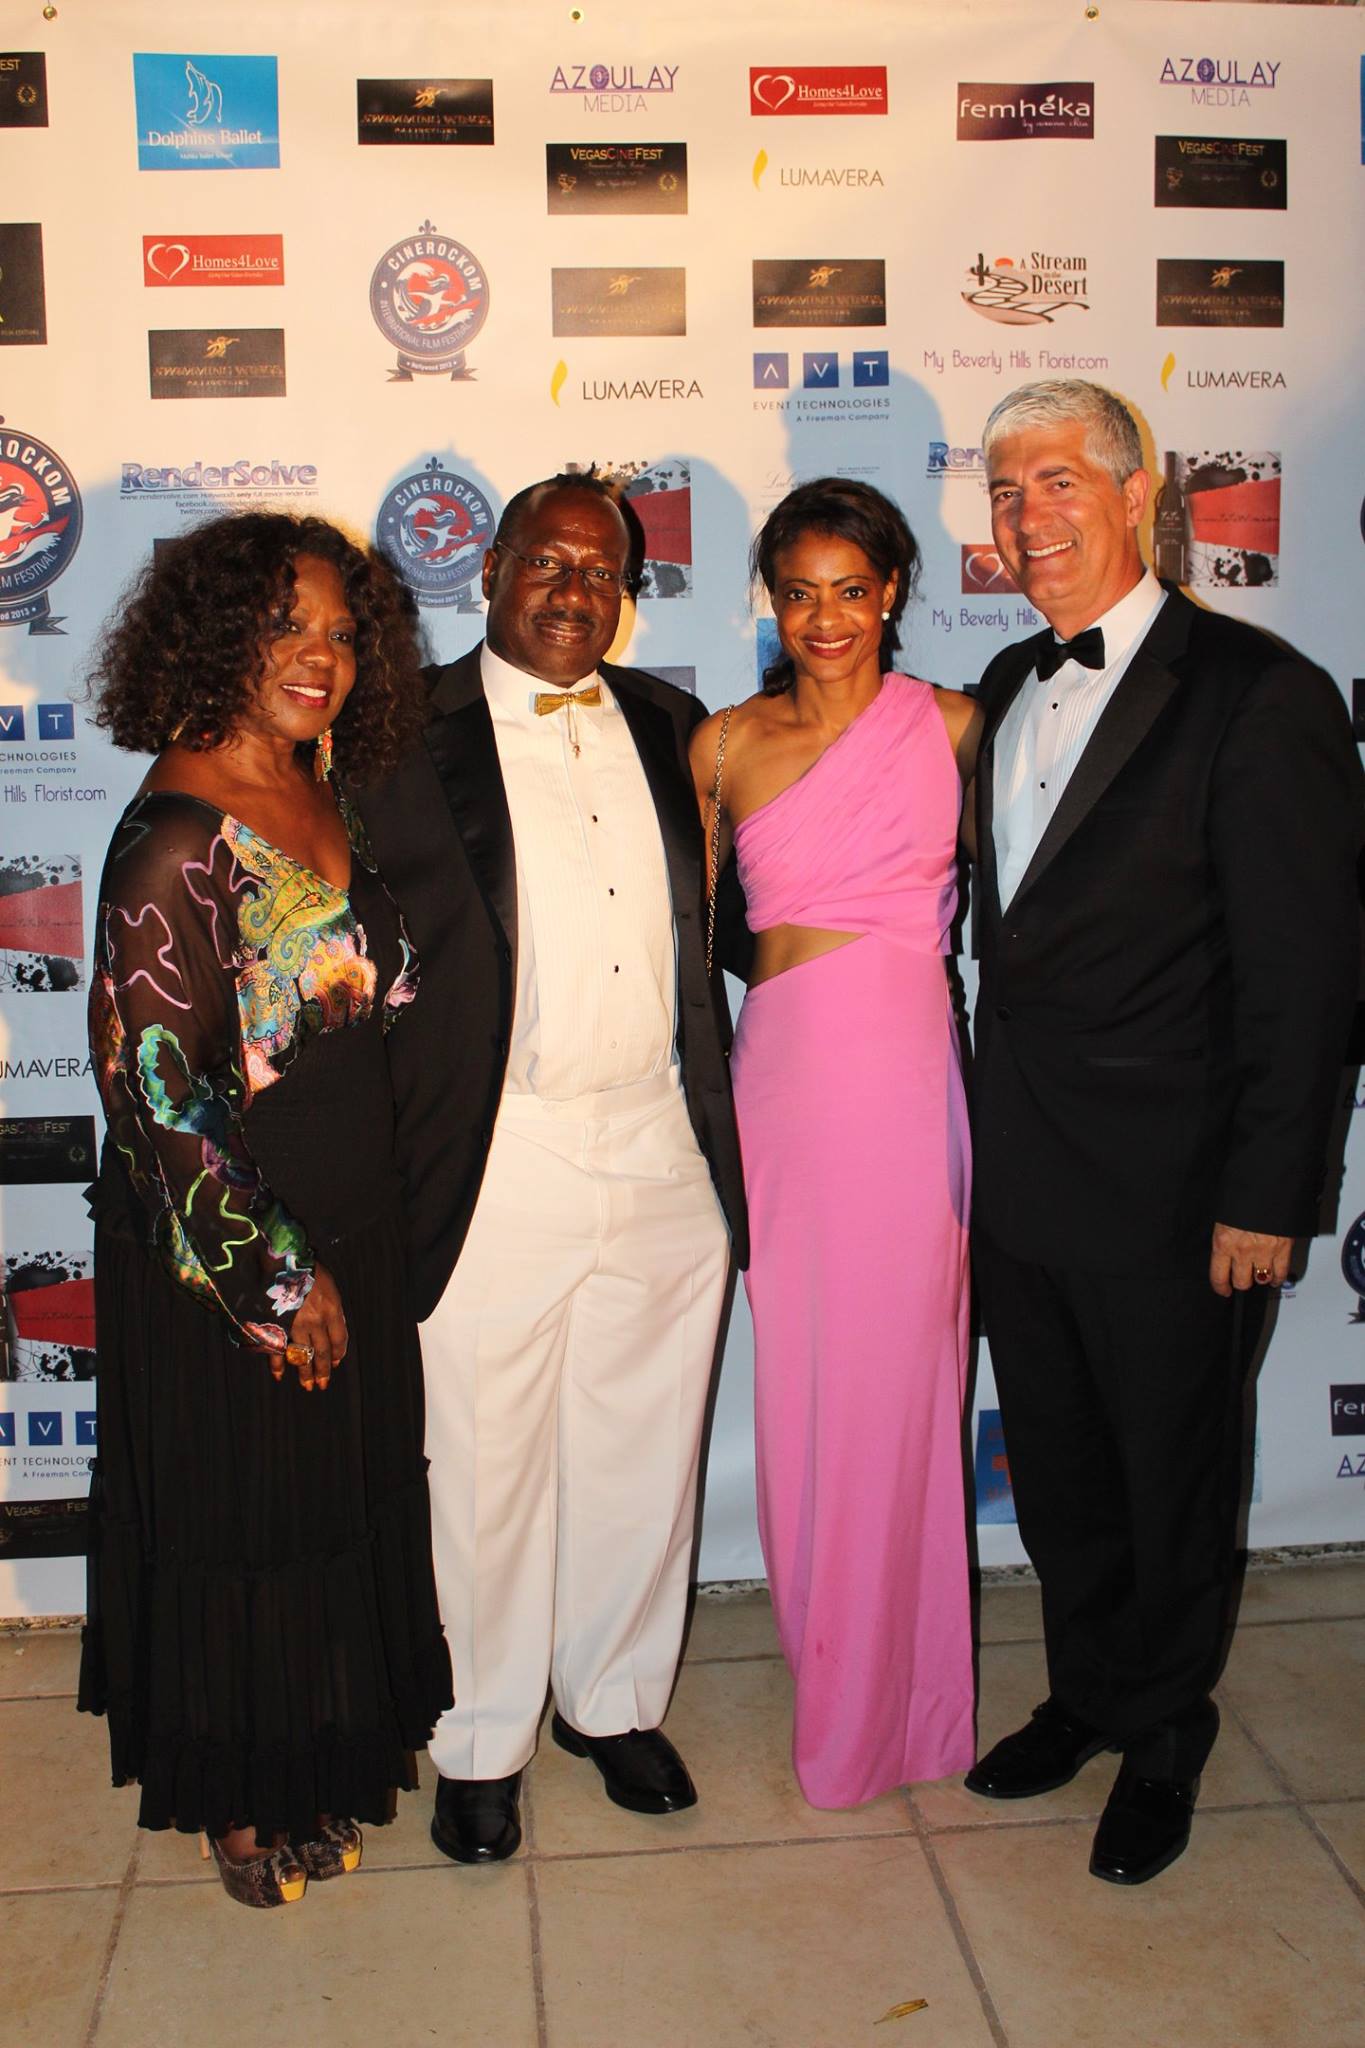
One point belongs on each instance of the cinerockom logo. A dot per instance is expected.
(429, 296)
(40, 529)
(1055, 110)
(1027, 291)
(818, 89)
(212, 259)
(435, 527)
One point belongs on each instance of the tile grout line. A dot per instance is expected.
(1308, 1820)
(954, 1919)
(125, 1893)
(537, 1959)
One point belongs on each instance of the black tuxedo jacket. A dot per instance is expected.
(1165, 1002)
(442, 836)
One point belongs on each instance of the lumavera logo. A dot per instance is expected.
(1195, 291)
(23, 89)
(1221, 81)
(424, 110)
(616, 177)
(654, 390)
(1028, 291)
(983, 572)
(810, 177)
(1055, 110)
(23, 305)
(42, 944)
(1348, 1411)
(40, 529)
(813, 292)
(819, 89)
(206, 113)
(212, 259)
(215, 362)
(435, 527)
(635, 301)
(1222, 170)
(1218, 379)
(615, 88)
(429, 296)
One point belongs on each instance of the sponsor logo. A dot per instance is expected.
(140, 483)
(1224, 380)
(1028, 291)
(42, 934)
(1353, 1265)
(994, 1492)
(771, 372)
(616, 177)
(39, 1150)
(660, 495)
(821, 370)
(596, 302)
(1348, 1411)
(40, 529)
(435, 527)
(1192, 291)
(44, 1427)
(1352, 1466)
(1221, 170)
(1219, 519)
(23, 305)
(213, 259)
(419, 110)
(1220, 81)
(206, 113)
(429, 296)
(208, 362)
(6, 1430)
(811, 292)
(983, 572)
(615, 88)
(946, 462)
(52, 1067)
(23, 89)
(47, 1323)
(808, 177)
(1048, 112)
(625, 390)
(819, 89)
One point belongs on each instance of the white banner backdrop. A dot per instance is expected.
(391, 264)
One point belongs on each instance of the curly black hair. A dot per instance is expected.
(851, 511)
(185, 651)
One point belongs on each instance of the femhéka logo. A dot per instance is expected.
(429, 296)
(435, 527)
(1054, 110)
(1027, 291)
(202, 113)
(40, 529)
(212, 259)
(615, 88)
(819, 89)
(1220, 81)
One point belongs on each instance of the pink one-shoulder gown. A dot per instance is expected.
(856, 1160)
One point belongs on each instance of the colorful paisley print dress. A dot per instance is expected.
(263, 1631)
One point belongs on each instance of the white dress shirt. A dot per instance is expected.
(1048, 727)
(595, 1000)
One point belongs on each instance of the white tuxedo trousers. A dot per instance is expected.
(567, 1366)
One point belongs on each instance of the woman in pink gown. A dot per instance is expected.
(840, 789)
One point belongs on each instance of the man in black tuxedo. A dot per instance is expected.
(1168, 813)
(567, 1139)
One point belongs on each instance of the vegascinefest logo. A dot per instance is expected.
(40, 529)
(819, 89)
(435, 527)
(429, 297)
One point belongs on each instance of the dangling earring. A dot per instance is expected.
(322, 754)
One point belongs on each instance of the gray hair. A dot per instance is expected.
(1111, 433)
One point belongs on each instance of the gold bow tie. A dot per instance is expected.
(554, 700)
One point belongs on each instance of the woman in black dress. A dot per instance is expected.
(263, 1630)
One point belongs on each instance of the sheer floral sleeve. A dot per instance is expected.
(165, 1029)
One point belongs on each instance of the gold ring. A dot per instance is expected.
(1261, 1274)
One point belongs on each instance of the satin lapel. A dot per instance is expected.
(460, 740)
(656, 743)
(1000, 702)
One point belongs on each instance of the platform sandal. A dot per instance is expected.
(335, 1850)
(278, 1879)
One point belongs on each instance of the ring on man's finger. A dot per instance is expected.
(1261, 1275)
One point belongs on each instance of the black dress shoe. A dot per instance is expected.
(1047, 1752)
(1145, 1826)
(476, 1819)
(641, 1770)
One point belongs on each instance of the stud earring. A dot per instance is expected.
(322, 754)
(886, 615)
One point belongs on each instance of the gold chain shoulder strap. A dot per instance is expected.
(713, 885)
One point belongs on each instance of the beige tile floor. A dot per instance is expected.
(751, 1922)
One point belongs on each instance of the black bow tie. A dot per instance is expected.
(1087, 648)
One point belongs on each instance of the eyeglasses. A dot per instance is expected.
(551, 573)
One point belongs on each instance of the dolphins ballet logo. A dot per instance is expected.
(206, 97)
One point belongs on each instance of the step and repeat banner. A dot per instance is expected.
(390, 264)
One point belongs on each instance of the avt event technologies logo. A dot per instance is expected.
(616, 177)
(983, 572)
(435, 527)
(40, 529)
(1220, 81)
(994, 1491)
(23, 304)
(812, 177)
(206, 113)
(869, 368)
(23, 89)
(1194, 291)
(815, 292)
(1250, 172)
(1028, 291)
(1053, 111)
(656, 390)
(615, 88)
(42, 943)
(215, 362)
(212, 259)
(47, 1317)
(1218, 519)
(819, 89)
(589, 302)
(429, 296)
(450, 111)
(660, 495)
